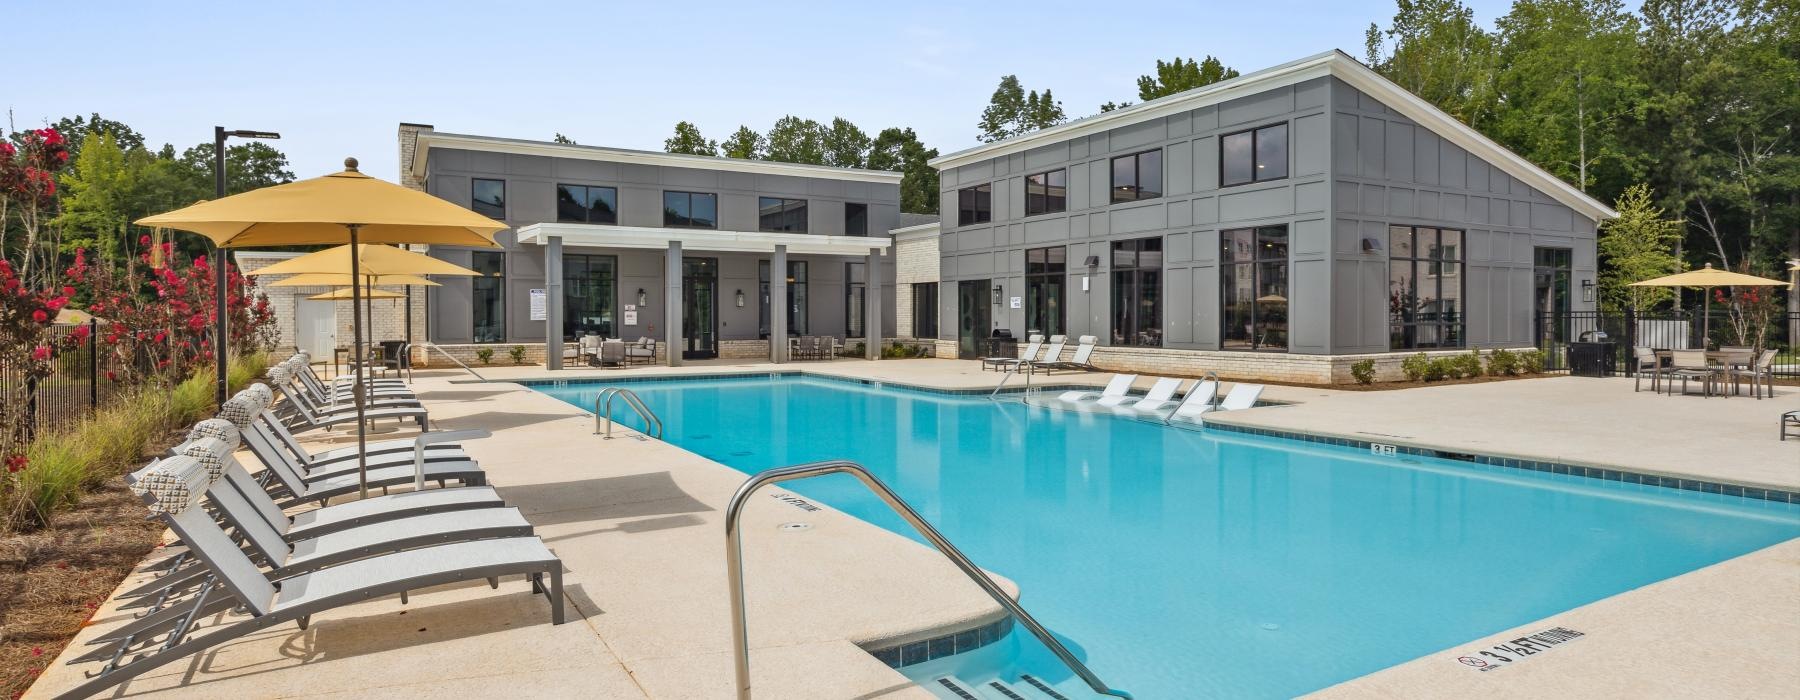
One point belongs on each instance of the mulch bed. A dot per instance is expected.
(53, 579)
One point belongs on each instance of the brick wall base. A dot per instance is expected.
(1284, 367)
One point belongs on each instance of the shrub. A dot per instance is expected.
(1532, 361)
(518, 354)
(1363, 371)
(1502, 363)
(1440, 368)
(1469, 364)
(486, 355)
(1415, 366)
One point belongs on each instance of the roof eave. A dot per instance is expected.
(493, 144)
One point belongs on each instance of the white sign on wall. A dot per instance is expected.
(630, 316)
(1018, 302)
(539, 305)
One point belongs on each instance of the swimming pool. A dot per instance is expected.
(1189, 563)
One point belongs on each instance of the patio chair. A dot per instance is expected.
(178, 628)
(1160, 395)
(1084, 351)
(1691, 364)
(338, 391)
(830, 347)
(611, 353)
(436, 447)
(587, 348)
(1033, 344)
(644, 350)
(1790, 421)
(302, 414)
(1240, 397)
(1204, 391)
(1761, 368)
(1644, 359)
(1119, 385)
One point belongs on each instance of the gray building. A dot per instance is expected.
(622, 243)
(1292, 218)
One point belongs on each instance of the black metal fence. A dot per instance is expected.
(1677, 330)
(76, 386)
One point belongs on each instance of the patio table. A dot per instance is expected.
(1715, 361)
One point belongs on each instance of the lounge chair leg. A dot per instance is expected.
(403, 597)
(556, 596)
(304, 621)
(494, 582)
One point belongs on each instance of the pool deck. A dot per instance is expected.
(638, 524)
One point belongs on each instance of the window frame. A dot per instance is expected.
(785, 211)
(1255, 133)
(690, 197)
(475, 203)
(588, 207)
(1136, 189)
(1256, 262)
(1062, 201)
(798, 305)
(863, 209)
(587, 262)
(925, 310)
(1420, 263)
(1136, 282)
(499, 289)
(980, 214)
(1036, 281)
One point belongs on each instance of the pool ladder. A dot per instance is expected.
(1210, 400)
(1026, 367)
(603, 412)
(734, 565)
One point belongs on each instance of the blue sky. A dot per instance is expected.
(337, 77)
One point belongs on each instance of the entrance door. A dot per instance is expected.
(315, 330)
(971, 318)
(1550, 277)
(699, 307)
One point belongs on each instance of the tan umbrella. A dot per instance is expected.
(346, 293)
(346, 207)
(321, 279)
(1708, 278)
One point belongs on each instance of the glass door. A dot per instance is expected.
(972, 299)
(1550, 275)
(699, 308)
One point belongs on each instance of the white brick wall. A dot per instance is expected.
(389, 314)
(915, 261)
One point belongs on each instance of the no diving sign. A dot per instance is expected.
(1511, 652)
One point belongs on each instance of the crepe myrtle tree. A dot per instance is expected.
(28, 350)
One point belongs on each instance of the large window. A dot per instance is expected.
(488, 296)
(974, 205)
(587, 205)
(590, 296)
(796, 297)
(1047, 193)
(1137, 176)
(488, 198)
(856, 219)
(1425, 288)
(1137, 292)
(1550, 273)
(925, 309)
(855, 285)
(1046, 275)
(1253, 295)
(690, 210)
(1253, 156)
(779, 215)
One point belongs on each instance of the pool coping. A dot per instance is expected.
(1223, 421)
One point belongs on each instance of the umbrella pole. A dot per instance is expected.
(356, 349)
(1705, 317)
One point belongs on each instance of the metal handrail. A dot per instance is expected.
(653, 425)
(1028, 367)
(459, 363)
(1211, 400)
(734, 563)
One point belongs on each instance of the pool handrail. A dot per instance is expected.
(1028, 367)
(1210, 400)
(603, 411)
(734, 566)
(434, 346)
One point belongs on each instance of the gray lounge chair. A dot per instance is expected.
(1084, 351)
(177, 628)
(1033, 344)
(338, 390)
(303, 414)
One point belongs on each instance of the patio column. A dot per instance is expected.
(553, 302)
(672, 303)
(872, 305)
(778, 304)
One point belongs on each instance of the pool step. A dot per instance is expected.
(1026, 688)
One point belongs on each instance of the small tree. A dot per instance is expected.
(1749, 311)
(1637, 246)
(687, 139)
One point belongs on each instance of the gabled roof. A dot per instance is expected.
(439, 139)
(1335, 64)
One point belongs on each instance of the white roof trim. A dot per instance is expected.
(493, 144)
(914, 231)
(1332, 63)
(721, 241)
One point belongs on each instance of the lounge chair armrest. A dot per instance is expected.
(428, 439)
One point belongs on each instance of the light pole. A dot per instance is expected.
(220, 279)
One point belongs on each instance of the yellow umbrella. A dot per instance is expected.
(346, 293)
(1707, 278)
(369, 261)
(347, 207)
(322, 279)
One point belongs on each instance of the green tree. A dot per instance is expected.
(796, 140)
(687, 139)
(1568, 76)
(1440, 54)
(560, 138)
(846, 146)
(744, 143)
(900, 149)
(76, 129)
(248, 165)
(1180, 75)
(1005, 111)
(95, 190)
(1637, 246)
(1110, 106)
(1041, 113)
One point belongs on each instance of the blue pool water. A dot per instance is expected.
(1186, 563)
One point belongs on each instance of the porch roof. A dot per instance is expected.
(700, 239)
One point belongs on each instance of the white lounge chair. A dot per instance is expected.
(1030, 352)
(1240, 397)
(180, 627)
(1084, 350)
(1161, 397)
(1120, 386)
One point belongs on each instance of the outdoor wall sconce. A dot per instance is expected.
(1093, 261)
(997, 291)
(740, 298)
(1587, 290)
(1371, 244)
(641, 301)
